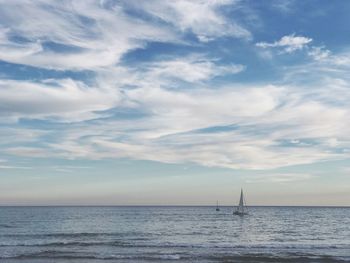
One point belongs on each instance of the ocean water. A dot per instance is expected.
(174, 234)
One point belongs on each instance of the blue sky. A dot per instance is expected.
(174, 102)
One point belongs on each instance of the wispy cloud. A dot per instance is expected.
(192, 69)
(90, 34)
(4, 164)
(319, 53)
(174, 128)
(279, 178)
(64, 100)
(174, 103)
(203, 18)
(284, 6)
(288, 43)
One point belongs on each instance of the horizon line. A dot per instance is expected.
(87, 205)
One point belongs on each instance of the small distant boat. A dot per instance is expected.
(241, 209)
(217, 206)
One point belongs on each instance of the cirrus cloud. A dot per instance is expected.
(288, 44)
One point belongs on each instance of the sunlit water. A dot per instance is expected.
(173, 234)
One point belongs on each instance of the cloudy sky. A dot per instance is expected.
(174, 102)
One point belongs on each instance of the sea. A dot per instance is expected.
(173, 234)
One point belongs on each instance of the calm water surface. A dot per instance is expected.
(173, 234)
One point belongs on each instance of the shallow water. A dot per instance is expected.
(174, 234)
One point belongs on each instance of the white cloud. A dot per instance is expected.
(192, 120)
(202, 17)
(340, 60)
(26, 151)
(94, 35)
(190, 69)
(279, 178)
(14, 167)
(170, 129)
(194, 109)
(8, 135)
(284, 6)
(10, 51)
(288, 43)
(5, 165)
(64, 100)
(319, 53)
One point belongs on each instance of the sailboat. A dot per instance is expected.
(217, 206)
(241, 209)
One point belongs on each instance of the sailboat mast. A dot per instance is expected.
(217, 206)
(240, 208)
(241, 203)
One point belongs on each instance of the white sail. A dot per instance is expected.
(240, 210)
(241, 203)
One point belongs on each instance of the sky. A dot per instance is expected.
(179, 102)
